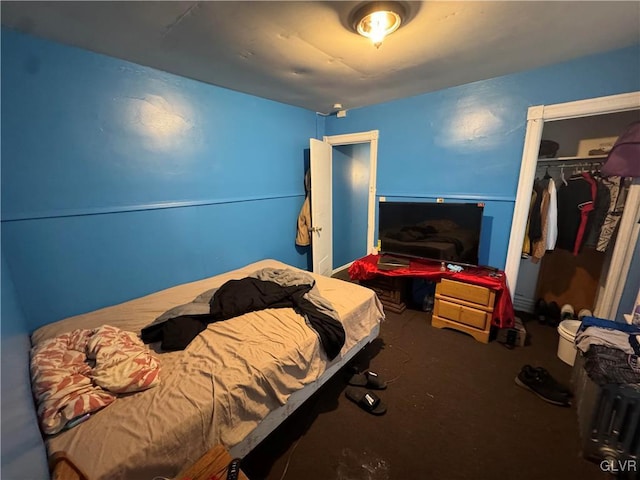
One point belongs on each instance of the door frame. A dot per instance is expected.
(370, 137)
(609, 298)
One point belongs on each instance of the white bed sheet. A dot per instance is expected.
(217, 390)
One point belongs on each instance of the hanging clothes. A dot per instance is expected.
(616, 204)
(574, 198)
(539, 245)
(600, 210)
(585, 213)
(535, 219)
(552, 216)
(526, 245)
(303, 236)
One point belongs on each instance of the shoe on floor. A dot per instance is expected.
(543, 385)
(541, 310)
(368, 379)
(554, 314)
(366, 400)
(567, 312)
(553, 383)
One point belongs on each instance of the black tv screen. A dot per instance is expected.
(436, 231)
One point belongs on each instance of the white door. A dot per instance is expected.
(321, 208)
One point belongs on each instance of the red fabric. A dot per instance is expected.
(585, 209)
(366, 268)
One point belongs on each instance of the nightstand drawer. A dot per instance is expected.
(465, 291)
(459, 313)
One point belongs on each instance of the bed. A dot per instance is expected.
(436, 239)
(233, 384)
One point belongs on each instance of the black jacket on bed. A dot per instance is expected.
(237, 297)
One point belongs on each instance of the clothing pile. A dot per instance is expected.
(611, 351)
(266, 288)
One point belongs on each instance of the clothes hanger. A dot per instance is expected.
(562, 176)
(546, 174)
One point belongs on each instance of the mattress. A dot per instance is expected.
(217, 390)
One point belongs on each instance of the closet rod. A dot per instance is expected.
(569, 164)
(589, 159)
(579, 158)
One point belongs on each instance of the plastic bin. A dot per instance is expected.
(567, 331)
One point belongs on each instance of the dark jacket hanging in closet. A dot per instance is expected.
(586, 213)
(574, 198)
(600, 209)
(535, 222)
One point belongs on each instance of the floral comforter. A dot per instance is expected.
(82, 371)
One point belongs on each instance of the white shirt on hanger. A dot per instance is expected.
(552, 217)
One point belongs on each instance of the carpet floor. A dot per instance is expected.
(454, 412)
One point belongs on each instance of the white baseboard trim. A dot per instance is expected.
(523, 304)
(339, 269)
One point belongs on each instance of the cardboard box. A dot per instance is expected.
(587, 145)
(516, 336)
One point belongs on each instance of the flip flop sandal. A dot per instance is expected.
(368, 401)
(368, 379)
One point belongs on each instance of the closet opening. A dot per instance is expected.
(610, 291)
(569, 239)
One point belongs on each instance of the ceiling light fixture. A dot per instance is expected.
(376, 20)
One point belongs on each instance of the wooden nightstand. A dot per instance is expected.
(212, 465)
(464, 307)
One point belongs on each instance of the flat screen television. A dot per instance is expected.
(435, 231)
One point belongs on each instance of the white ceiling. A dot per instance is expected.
(304, 53)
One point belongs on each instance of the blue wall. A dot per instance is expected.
(119, 180)
(23, 453)
(350, 202)
(466, 142)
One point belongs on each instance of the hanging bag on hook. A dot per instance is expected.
(624, 158)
